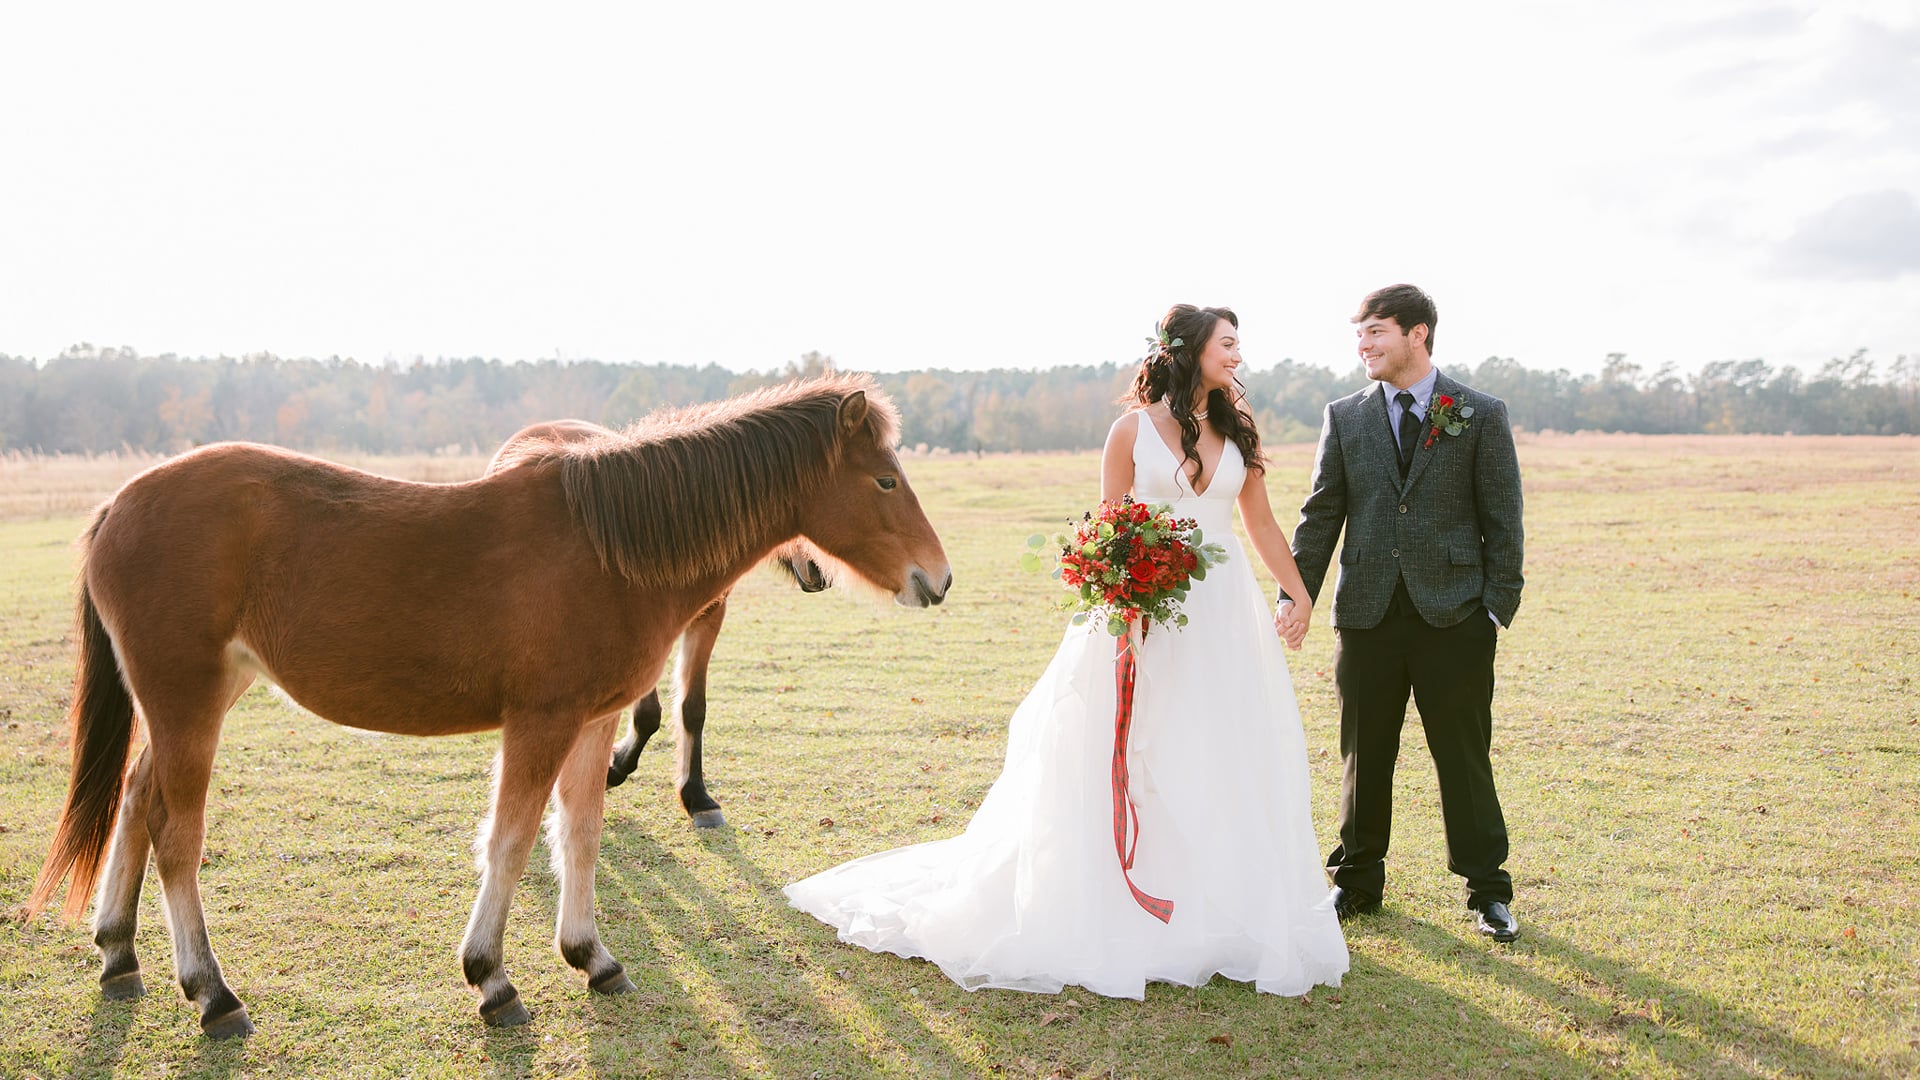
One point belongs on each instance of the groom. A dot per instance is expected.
(1421, 472)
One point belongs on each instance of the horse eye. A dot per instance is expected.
(887, 483)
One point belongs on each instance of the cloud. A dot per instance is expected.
(1872, 235)
(1763, 22)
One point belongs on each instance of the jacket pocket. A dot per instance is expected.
(1460, 554)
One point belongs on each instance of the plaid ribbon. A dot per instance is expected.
(1126, 817)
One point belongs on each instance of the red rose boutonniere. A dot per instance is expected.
(1446, 415)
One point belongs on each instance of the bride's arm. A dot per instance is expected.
(1270, 543)
(1116, 461)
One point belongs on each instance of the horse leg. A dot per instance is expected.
(573, 835)
(116, 906)
(690, 714)
(626, 754)
(183, 735)
(523, 777)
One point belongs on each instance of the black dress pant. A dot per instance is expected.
(1449, 671)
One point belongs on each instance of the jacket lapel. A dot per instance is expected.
(1374, 408)
(1422, 453)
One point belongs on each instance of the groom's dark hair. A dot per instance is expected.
(1404, 304)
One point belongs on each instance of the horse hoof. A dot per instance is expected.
(615, 777)
(709, 819)
(613, 982)
(509, 1013)
(228, 1025)
(122, 987)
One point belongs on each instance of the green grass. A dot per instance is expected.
(1706, 741)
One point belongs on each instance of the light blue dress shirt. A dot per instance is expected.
(1422, 392)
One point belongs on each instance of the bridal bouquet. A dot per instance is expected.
(1127, 562)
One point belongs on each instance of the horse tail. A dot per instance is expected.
(101, 719)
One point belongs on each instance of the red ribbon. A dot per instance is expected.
(1125, 814)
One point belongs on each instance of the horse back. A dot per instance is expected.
(374, 602)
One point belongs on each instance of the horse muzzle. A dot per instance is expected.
(922, 590)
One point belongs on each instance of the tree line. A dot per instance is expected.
(99, 400)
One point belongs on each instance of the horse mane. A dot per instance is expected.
(685, 491)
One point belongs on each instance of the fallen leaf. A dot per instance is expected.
(1848, 933)
(676, 1044)
(826, 822)
(1048, 1019)
(1221, 1040)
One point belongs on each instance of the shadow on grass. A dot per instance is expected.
(765, 973)
(106, 1041)
(738, 987)
(1684, 1030)
(217, 1058)
(511, 1051)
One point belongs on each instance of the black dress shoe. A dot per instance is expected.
(1496, 921)
(1347, 904)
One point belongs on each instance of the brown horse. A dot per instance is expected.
(696, 644)
(539, 600)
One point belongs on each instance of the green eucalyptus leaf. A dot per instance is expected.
(1036, 540)
(1079, 618)
(1454, 429)
(1056, 573)
(1030, 562)
(1179, 620)
(1176, 343)
(1466, 410)
(1116, 626)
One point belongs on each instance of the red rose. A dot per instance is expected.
(1141, 571)
(1445, 401)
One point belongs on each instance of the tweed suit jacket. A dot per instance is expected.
(1451, 530)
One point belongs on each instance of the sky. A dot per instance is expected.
(959, 186)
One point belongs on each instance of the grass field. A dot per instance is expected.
(1706, 739)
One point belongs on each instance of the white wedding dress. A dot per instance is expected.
(1032, 897)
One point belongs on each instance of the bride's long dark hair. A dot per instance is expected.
(1170, 369)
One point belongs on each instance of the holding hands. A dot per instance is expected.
(1290, 620)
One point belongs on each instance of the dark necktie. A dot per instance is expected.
(1409, 430)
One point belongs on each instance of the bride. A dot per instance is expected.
(1033, 896)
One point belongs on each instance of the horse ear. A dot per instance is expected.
(853, 411)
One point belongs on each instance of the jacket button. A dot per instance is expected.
(1396, 553)
(1403, 508)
